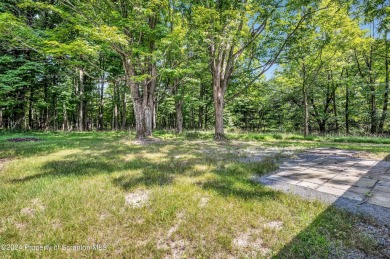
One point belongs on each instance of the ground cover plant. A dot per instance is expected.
(171, 196)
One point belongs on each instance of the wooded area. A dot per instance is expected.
(167, 64)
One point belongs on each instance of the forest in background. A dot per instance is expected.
(141, 65)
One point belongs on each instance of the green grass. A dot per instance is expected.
(70, 188)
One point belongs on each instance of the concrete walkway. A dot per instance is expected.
(340, 173)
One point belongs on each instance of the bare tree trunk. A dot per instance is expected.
(148, 100)
(387, 88)
(206, 116)
(55, 113)
(30, 109)
(218, 96)
(65, 119)
(124, 106)
(306, 107)
(201, 106)
(148, 120)
(101, 105)
(139, 119)
(373, 112)
(155, 115)
(81, 101)
(115, 99)
(179, 117)
(335, 111)
(137, 100)
(46, 109)
(221, 71)
(373, 128)
(346, 109)
(200, 117)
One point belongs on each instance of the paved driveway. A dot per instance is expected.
(340, 173)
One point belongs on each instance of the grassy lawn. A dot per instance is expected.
(182, 196)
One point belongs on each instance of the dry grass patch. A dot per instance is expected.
(162, 199)
(137, 199)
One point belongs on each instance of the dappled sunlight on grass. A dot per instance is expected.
(200, 199)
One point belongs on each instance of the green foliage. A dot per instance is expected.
(319, 46)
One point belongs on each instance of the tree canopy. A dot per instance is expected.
(303, 66)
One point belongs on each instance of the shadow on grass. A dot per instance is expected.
(231, 178)
(325, 237)
(228, 179)
(147, 178)
(50, 145)
(234, 180)
(226, 187)
(140, 169)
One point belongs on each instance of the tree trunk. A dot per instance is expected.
(321, 122)
(124, 106)
(373, 112)
(30, 109)
(179, 117)
(220, 76)
(201, 107)
(65, 123)
(81, 101)
(55, 113)
(155, 115)
(373, 128)
(115, 112)
(136, 98)
(148, 100)
(148, 120)
(101, 105)
(218, 96)
(45, 124)
(139, 119)
(335, 111)
(200, 117)
(346, 109)
(306, 115)
(387, 87)
(206, 116)
(322, 126)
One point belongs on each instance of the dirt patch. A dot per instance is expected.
(104, 215)
(24, 139)
(203, 202)
(137, 199)
(174, 228)
(56, 224)
(175, 246)
(249, 245)
(36, 206)
(277, 225)
(20, 226)
(3, 162)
